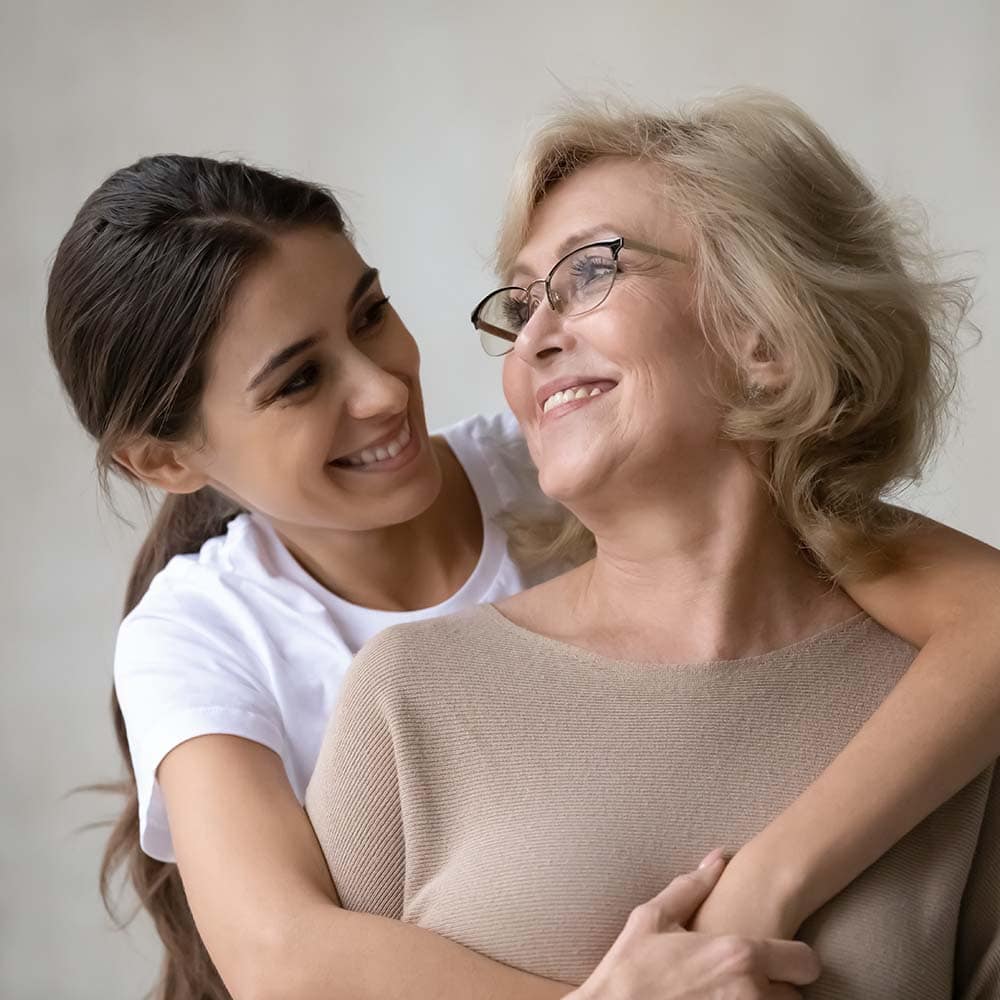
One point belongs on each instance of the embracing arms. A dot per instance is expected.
(267, 910)
(265, 905)
(934, 733)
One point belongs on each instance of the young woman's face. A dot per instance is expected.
(312, 413)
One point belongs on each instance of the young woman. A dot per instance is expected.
(222, 340)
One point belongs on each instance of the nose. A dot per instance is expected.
(543, 336)
(375, 392)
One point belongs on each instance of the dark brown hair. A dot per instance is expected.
(138, 289)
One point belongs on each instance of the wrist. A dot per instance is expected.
(597, 986)
(781, 876)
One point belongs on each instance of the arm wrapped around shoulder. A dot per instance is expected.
(353, 797)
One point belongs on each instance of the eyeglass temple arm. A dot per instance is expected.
(646, 248)
(497, 331)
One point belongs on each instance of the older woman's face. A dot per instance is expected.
(655, 419)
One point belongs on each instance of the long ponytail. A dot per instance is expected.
(138, 289)
(182, 525)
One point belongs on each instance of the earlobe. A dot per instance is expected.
(161, 464)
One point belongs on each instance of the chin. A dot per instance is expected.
(566, 485)
(397, 511)
(412, 501)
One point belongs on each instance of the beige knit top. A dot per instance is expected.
(521, 796)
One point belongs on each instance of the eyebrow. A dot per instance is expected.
(574, 241)
(364, 283)
(286, 354)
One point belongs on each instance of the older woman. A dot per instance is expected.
(725, 365)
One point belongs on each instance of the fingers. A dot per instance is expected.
(789, 962)
(680, 900)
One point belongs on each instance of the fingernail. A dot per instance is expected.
(711, 859)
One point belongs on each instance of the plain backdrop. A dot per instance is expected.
(413, 113)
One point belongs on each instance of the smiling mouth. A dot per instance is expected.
(576, 393)
(373, 456)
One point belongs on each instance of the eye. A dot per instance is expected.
(515, 311)
(372, 317)
(305, 378)
(591, 268)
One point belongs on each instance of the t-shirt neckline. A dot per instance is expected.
(476, 586)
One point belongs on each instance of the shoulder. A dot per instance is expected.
(212, 592)
(853, 664)
(861, 640)
(193, 574)
(417, 658)
(201, 610)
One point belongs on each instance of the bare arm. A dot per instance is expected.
(934, 733)
(267, 910)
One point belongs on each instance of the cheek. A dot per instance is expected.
(392, 349)
(397, 348)
(517, 387)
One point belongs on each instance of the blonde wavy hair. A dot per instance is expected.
(789, 240)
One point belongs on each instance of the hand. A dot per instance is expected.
(655, 958)
(753, 898)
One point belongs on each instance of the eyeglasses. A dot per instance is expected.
(578, 282)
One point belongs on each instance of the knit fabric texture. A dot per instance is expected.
(520, 796)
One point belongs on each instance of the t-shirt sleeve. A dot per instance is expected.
(353, 798)
(977, 956)
(179, 675)
(505, 450)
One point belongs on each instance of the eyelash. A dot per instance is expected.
(307, 376)
(373, 316)
(309, 372)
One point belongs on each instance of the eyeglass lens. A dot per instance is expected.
(578, 283)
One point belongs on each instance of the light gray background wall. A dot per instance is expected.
(413, 113)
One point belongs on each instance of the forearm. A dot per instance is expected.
(932, 735)
(333, 954)
(266, 908)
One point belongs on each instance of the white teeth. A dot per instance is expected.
(383, 452)
(566, 395)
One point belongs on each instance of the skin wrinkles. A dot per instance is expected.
(685, 530)
(648, 304)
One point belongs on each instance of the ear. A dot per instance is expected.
(762, 369)
(163, 464)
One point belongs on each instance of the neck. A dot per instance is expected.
(703, 571)
(401, 567)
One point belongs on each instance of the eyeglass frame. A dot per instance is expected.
(615, 245)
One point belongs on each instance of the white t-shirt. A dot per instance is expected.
(239, 639)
